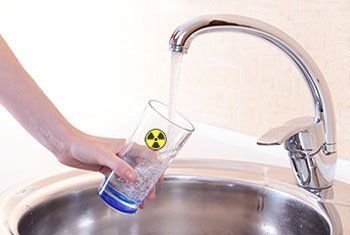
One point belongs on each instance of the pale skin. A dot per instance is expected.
(24, 99)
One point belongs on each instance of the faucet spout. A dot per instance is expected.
(183, 36)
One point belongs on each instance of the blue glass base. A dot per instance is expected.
(117, 201)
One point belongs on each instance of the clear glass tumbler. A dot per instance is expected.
(150, 149)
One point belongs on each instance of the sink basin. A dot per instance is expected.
(194, 199)
(184, 206)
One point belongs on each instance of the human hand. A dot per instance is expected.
(99, 154)
(24, 99)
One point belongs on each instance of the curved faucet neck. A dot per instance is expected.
(324, 112)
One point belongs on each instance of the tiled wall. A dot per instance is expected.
(242, 83)
(98, 58)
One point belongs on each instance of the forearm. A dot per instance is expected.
(22, 97)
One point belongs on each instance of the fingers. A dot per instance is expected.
(140, 153)
(151, 197)
(77, 164)
(152, 194)
(118, 145)
(104, 170)
(85, 166)
(120, 167)
(161, 179)
(143, 205)
(135, 151)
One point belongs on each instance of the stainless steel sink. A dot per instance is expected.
(183, 206)
(197, 197)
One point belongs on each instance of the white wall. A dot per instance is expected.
(99, 60)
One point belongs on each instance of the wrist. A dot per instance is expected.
(58, 141)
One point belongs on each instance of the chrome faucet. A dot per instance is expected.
(310, 141)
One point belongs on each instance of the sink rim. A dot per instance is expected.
(15, 202)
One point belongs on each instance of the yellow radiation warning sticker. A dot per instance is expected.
(155, 139)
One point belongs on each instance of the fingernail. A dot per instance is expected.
(131, 175)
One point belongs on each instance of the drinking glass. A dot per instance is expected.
(152, 146)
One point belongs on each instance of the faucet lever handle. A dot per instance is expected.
(279, 135)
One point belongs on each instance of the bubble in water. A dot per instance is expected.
(148, 174)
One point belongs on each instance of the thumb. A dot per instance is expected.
(121, 168)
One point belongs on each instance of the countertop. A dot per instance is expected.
(24, 159)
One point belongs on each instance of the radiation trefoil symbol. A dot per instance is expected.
(155, 139)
